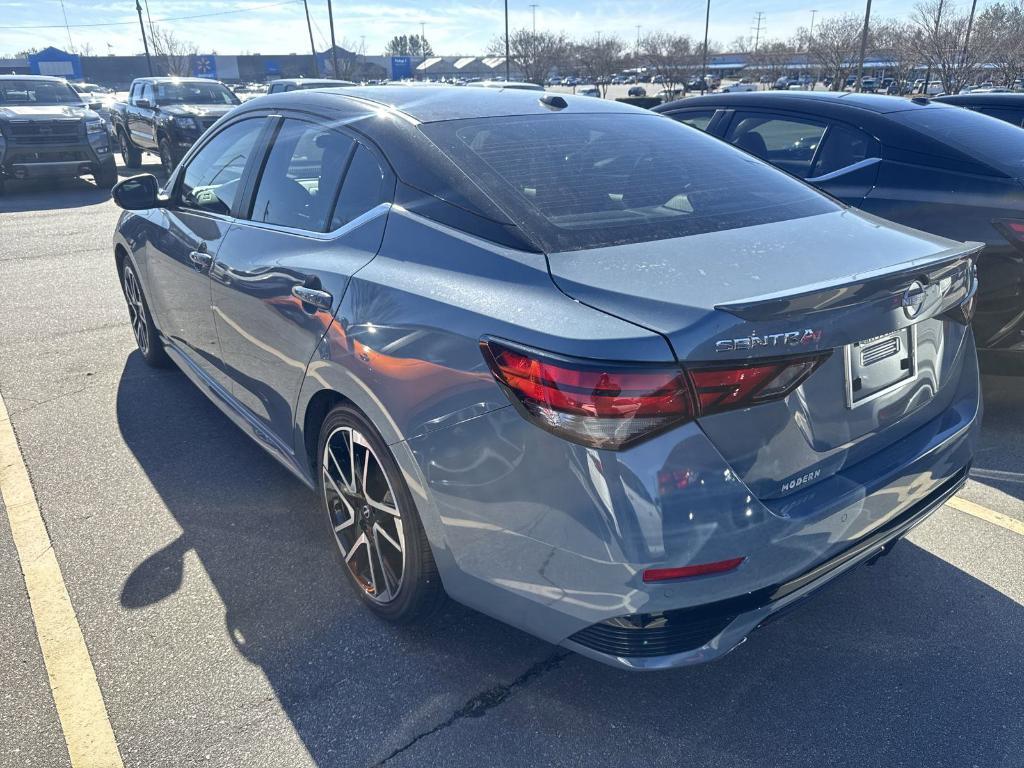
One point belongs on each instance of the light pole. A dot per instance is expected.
(334, 48)
(145, 45)
(810, 42)
(863, 45)
(928, 71)
(312, 45)
(967, 36)
(507, 63)
(704, 63)
(533, 7)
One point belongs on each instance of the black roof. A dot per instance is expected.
(870, 102)
(171, 79)
(985, 100)
(426, 104)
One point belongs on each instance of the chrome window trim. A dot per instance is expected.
(358, 221)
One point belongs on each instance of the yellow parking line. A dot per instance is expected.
(986, 514)
(83, 716)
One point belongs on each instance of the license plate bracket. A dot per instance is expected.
(880, 365)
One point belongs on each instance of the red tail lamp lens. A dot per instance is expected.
(1012, 230)
(687, 571)
(611, 405)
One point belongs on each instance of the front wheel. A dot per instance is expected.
(146, 336)
(380, 541)
(106, 176)
(166, 156)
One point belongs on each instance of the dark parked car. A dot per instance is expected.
(166, 115)
(306, 83)
(637, 91)
(47, 131)
(927, 165)
(583, 367)
(1003, 106)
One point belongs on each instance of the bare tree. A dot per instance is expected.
(535, 54)
(599, 58)
(834, 47)
(1001, 26)
(176, 53)
(772, 58)
(899, 42)
(942, 34)
(668, 56)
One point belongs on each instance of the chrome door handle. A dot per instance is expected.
(313, 297)
(201, 259)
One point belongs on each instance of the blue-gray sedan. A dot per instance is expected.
(571, 363)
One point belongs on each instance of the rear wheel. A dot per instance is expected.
(132, 157)
(381, 544)
(146, 337)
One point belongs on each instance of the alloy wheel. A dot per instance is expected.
(365, 517)
(136, 309)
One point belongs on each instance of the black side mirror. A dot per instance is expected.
(95, 106)
(138, 193)
(144, 103)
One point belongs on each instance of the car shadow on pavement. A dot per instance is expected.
(260, 538)
(909, 662)
(60, 193)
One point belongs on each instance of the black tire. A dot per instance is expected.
(147, 338)
(166, 156)
(130, 154)
(419, 591)
(106, 176)
(3, 187)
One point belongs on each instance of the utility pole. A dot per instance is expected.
(967, 36)
(704, 64)
(145, 45)
(533, 7)
(508, 76)
(638, 41)
(863, 45)
(334, 47)
(312, 45)
(810, 42)
(423, 40)
(71, 43)
(759, 19)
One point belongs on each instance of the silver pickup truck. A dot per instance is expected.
(47, 131)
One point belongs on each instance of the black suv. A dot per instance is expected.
(165, 115)
(47, 131)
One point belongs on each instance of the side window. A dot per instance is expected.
(1014, 116)
(788, 142)
(698, 118)
(147, 92)
(843, 146)
(276, 88)
(212, 179)
(134, 93)
(363, 188)
(299, 184)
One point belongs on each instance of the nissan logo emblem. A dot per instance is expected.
(913, 299)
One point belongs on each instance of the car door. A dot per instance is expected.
(834, 156)
(144, 130)
(317, 215)
(132, 113)
(204, 194)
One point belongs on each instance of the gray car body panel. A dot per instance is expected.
(542, 533)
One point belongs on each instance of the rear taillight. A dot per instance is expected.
(613, 405)
(1012, 230)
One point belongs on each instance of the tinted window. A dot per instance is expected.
(1014, 116)
(843, 146)
(212, 179)
(787, 142)
(193, 93)
(696, 118)
(135, 91)
(991, 141)
(581, 181)
(299, 184)
(147, 92)
(362, 190)
(17, 92)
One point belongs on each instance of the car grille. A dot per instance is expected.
(43, 156)
(44, 132)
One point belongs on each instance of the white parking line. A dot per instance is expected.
(76, 694)
(986, 514)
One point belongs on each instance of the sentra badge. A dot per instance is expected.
(754, 340)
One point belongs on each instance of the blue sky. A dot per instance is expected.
(452, 26)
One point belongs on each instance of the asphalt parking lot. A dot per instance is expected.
(221, 633)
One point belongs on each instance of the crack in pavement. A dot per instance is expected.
(482, 703)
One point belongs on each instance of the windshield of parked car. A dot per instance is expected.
(17, 92)
(193, 93)
(585, 181)
(996, 143)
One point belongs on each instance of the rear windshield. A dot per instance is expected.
(987, 139)
(586, 181)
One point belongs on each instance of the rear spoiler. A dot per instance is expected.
(924, 288)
